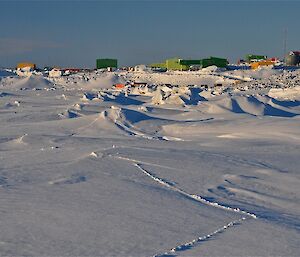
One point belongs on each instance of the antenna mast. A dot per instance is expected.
(285, 42)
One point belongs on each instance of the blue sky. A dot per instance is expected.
(75, 33)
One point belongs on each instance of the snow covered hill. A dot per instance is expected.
(207, 165)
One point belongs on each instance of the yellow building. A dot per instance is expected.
(256, 65)
(23, 65)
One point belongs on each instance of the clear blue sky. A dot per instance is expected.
(75, 33)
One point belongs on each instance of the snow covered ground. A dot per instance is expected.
(187, 169)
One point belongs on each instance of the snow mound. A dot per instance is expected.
(115, 120)
(126, 117)
(182, 78)
(141, 68)
(33, 83)
(177, 96)
(250, 104)
(12, 104)
(6, 73)
(286, 93)
(69, 114)
(14, 143)
(119, 97)
(102, 81)
(127, 121)
(261, 73)
(209, 69)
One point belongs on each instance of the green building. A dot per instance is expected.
(185, 64)
(160, 65)
(219, 62)
(106, 63)
(255, 58)
(190, 62)
(175, 64)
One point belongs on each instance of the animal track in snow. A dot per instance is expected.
(170, 185)
(189, 245)
(192, 196)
